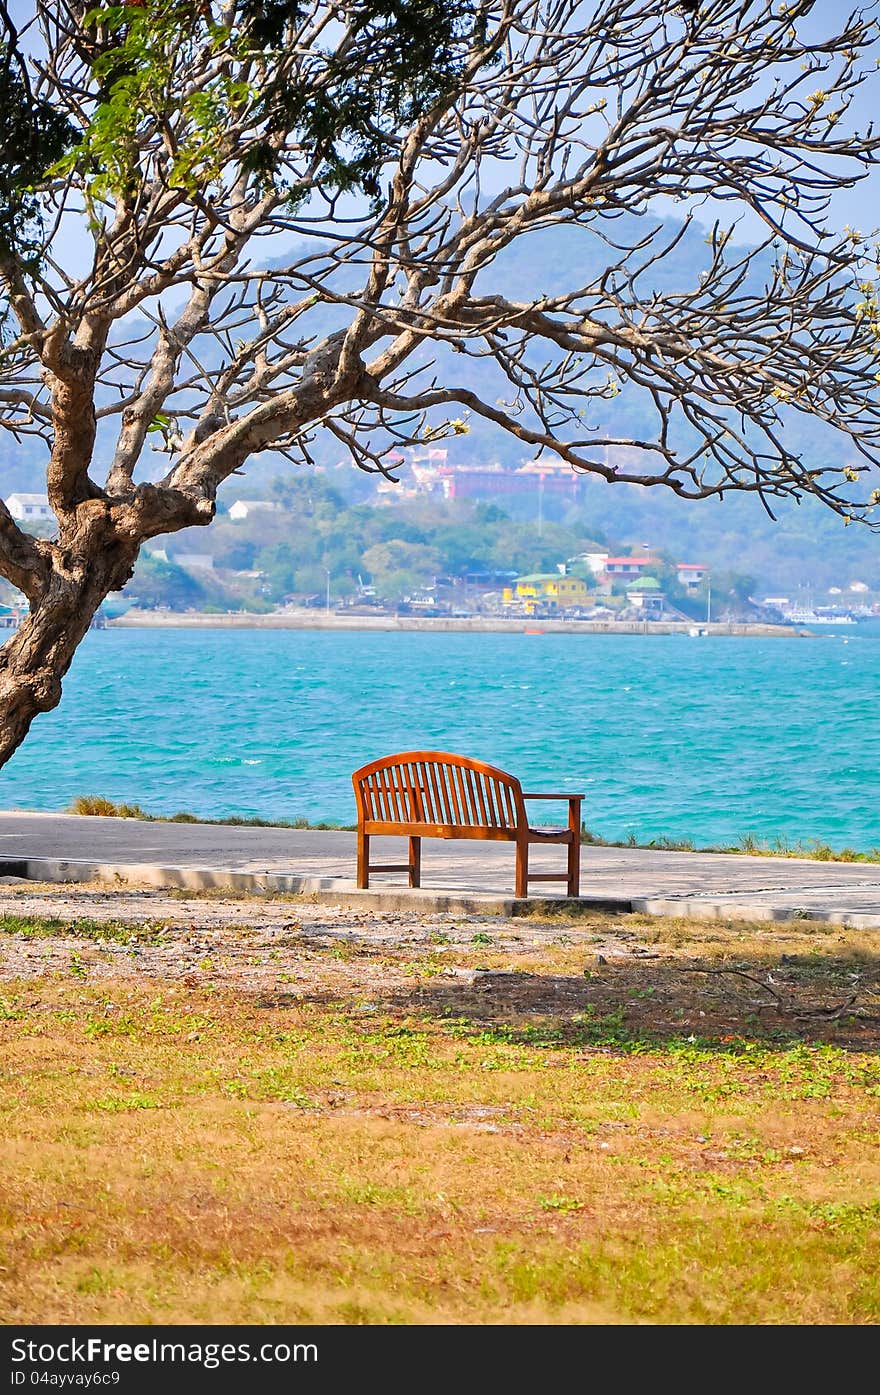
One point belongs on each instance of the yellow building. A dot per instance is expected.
(546, 589)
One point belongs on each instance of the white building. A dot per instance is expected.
(30, 508)
(691, 573)
(246, 508)
(594, 560)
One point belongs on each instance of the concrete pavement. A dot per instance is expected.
(457, 875)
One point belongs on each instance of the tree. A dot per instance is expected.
(290, 205)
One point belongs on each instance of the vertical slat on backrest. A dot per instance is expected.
(480, 781)
(510, 805)
(473, 787)
(423, 795)
(462, 795)
(405, 787)
(489, 795)
(452, 791)
(453, 776)
(381, 801)
(444, 804)
(407, 793)
(428, 804)
(413, 798)
(379, 796)
(468, 781)
(407, 780)
(479, 802)
(368, 794)
(387, 779)
(401, 792)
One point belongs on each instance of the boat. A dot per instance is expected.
(803, 615)
(697, 631)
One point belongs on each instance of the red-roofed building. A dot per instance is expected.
(691, 573)
(628, 566)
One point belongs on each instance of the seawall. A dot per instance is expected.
(480, 624)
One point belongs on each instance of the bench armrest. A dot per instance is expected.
(574, 807)
(569, 797)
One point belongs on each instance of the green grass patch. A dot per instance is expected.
(83, 928)
(96, 806)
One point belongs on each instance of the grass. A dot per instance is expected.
(814, 849)
(811, 848)
(96, 805)
(684, 1132)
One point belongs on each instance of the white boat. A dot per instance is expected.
(803, 616)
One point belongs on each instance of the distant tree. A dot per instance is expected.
(731, 591)
(308, 496)
(160, 583)
(288, 202)
(520, 547)
(490, 513)
(739, 585)
(237, 554)
(397, 567)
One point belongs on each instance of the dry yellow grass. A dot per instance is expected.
(568, 1137)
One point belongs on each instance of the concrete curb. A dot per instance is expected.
(335, 890)
(340, 892)
(695, 908)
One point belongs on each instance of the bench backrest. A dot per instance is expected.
(438, 789)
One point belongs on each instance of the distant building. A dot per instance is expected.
(646, 595)
(691, 573)
(30, 508)
(433, 475)
(628, 566)
(546, 588)
(584, 562)
(246, 508)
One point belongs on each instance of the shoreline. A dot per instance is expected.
(479, 624)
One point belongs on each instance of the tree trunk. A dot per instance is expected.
(36, 657)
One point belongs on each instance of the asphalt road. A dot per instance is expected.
(71, 847)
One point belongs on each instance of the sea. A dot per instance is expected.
(708, 739)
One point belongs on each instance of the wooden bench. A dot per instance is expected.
(433, 794)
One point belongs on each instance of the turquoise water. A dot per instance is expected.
(706, 739)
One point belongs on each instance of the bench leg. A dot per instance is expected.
(522, 869)
(574, 866)
(415, 861)
(363, 861)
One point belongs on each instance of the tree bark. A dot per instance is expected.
(92, 561)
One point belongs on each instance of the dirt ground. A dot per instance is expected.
(273, 1109)
(662, 978)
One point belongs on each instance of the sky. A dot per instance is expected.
(858, 207)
